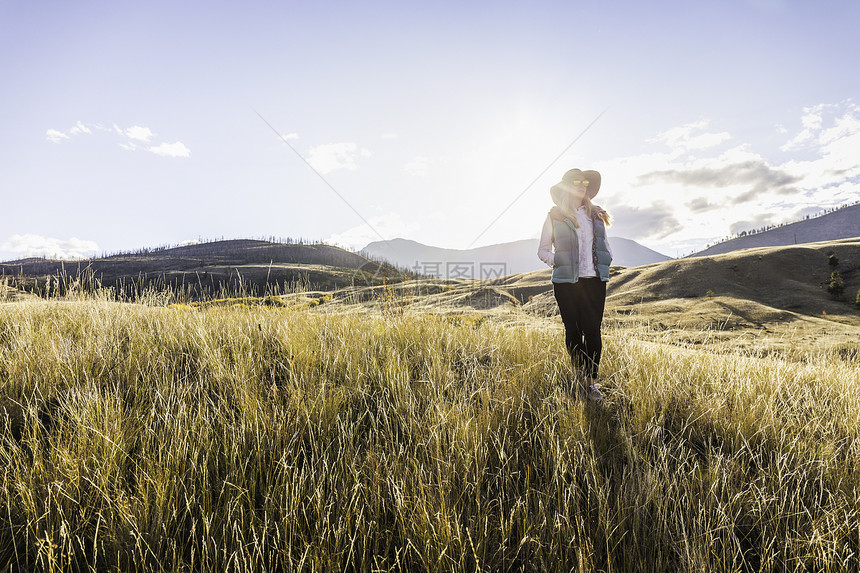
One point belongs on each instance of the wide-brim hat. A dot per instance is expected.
(558, 190)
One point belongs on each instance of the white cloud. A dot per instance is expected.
(833, 147)
(333, 156)
(389, 136)
(656, 221)
(825, 124)
(55, 136)
(136, 135)
(846, 125)
(177, 149)
(291, 136)
(811, 122)
(29, 245)
(139, 133)
(80, 128)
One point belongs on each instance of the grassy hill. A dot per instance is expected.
(768, 293)
(770, 289)
(792, 279)
(765, 285)
(751, 299)
(211, 269)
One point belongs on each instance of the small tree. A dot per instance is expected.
(857, 300)
(833, 261)
(837, 285)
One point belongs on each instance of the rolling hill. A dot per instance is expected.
(766, 290)
(750, 298)
(206, 269)
(843, 223)
(771, 292)
(791, 279)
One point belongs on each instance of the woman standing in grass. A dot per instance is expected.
(574, 243)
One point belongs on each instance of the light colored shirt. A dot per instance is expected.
(585, 236)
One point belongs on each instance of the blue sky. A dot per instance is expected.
(128, 125)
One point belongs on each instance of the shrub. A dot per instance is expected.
(833, 261)
(857, 299)
(274, 301)
(392, 300)
(837, 285)
(320, 300)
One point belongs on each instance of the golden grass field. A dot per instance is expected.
(426, 427)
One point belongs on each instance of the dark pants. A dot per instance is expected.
(581, 306)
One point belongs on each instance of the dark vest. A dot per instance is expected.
(566, 243)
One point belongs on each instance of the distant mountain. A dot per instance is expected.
(492, 261)
(841, 224)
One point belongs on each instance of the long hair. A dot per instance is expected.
(590, 209)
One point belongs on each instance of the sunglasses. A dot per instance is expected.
(583, 182)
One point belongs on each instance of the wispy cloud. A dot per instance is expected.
(29, 245)
(701, 205)
(811, 121)
(134, 138)
(333, 156)
(55, 136)
(656, 221)
(754, 177)
(832, 132)
(80, 128)
(177, 149)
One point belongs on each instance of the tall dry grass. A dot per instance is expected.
(265, 439)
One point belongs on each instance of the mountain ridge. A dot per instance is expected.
(491, 261)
